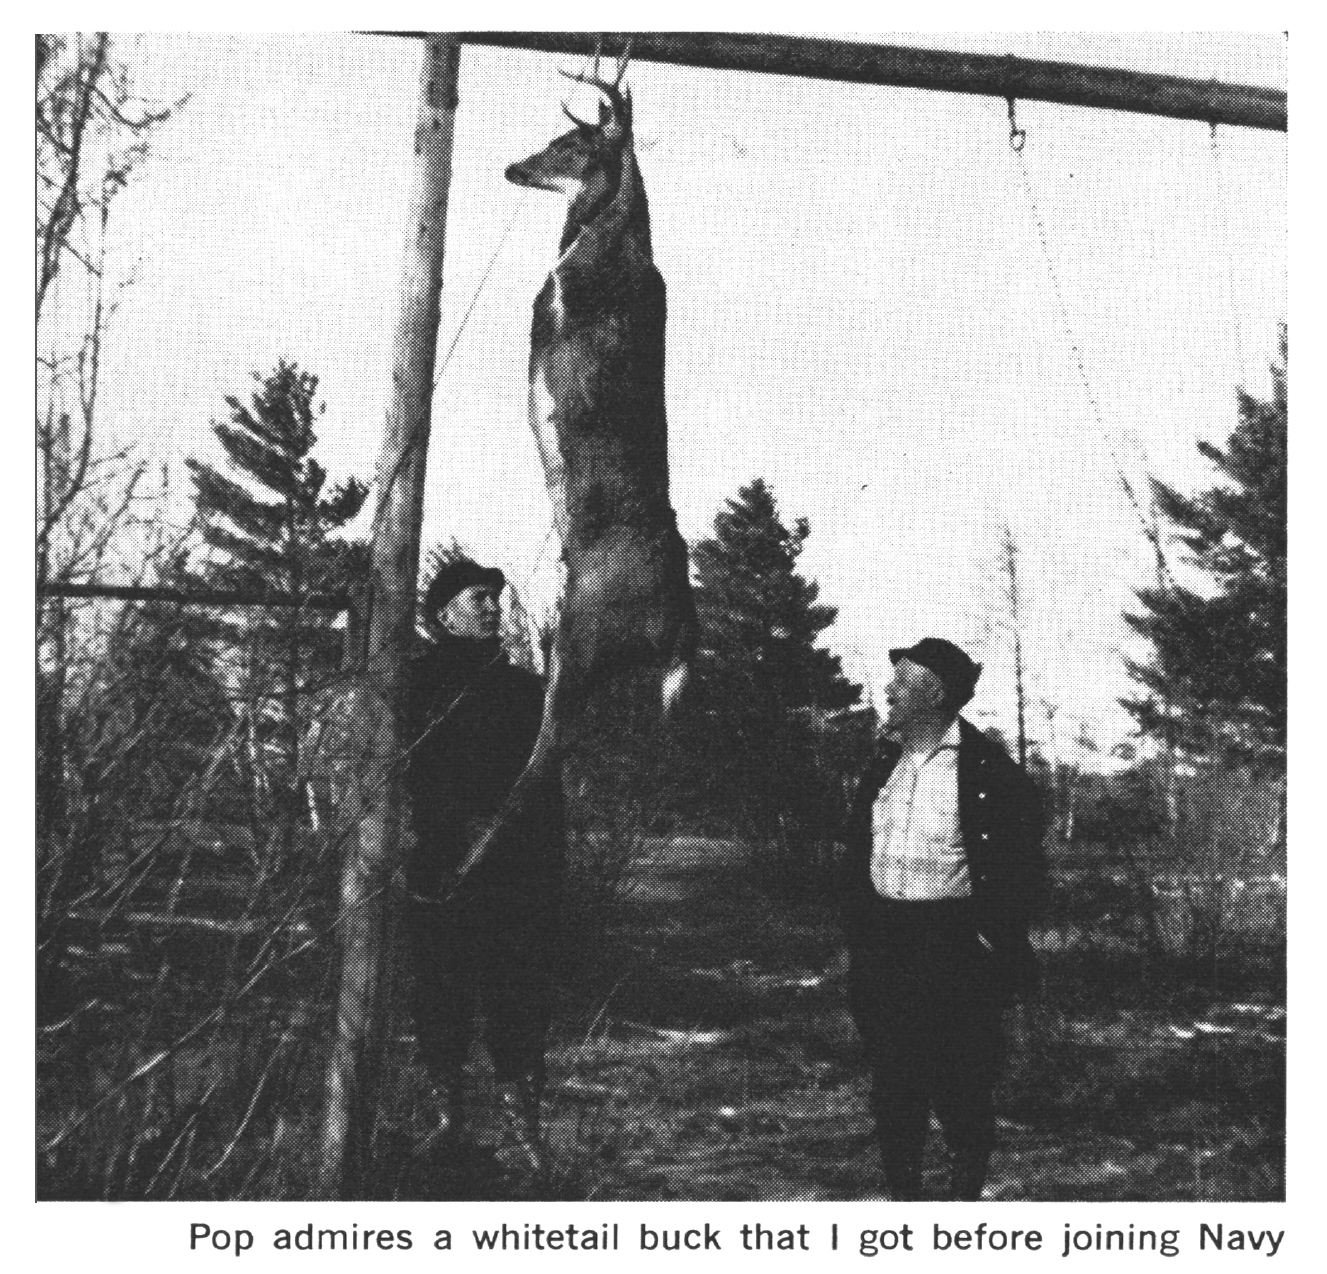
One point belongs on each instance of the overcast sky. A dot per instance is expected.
(860, 310)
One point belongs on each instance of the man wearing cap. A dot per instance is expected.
(471, 718)
(943, 867)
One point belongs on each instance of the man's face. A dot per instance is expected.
(474, 613)
(914, 692)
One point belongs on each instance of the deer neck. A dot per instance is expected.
(631, 190)
(588, 203)
(615, 208)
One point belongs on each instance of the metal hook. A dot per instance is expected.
(1017, 136)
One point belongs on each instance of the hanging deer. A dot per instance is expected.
(597, 411)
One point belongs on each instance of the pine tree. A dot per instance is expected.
(275, 535)
(768, 690)
(759, 615)
(164, 711)
(1216, 678)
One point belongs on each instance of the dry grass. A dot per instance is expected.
(706, 1055)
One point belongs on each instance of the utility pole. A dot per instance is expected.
(371, 745)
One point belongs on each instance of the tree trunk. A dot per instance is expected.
(371, 850)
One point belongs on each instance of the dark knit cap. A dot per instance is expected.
(947, 661)
(455, 575)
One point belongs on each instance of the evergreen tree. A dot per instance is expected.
(768, 690)
(1216, 678)
(275, 534)
(759, 616)
(162, 712)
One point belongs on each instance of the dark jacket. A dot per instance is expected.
(999, 814)
(470, 721)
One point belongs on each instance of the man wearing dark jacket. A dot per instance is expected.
(471, 718)
(943, 868)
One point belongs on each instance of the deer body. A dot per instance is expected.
(598, 414)
(597, 411)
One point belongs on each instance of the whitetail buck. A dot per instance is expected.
(597, 411)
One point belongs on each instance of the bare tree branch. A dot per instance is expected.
(67, 204)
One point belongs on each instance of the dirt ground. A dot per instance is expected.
(708, 1056)
(720, 1063)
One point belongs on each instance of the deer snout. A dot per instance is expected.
(536, 176)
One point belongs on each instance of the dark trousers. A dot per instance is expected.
(921, 990)
(481, 952)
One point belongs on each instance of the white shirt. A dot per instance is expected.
(917, 846)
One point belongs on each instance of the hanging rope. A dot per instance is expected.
(1226, 245)
(460, 330)
(1017, 139)
(441, 367)
(1017, 136)
(483, 280)
(412, 442)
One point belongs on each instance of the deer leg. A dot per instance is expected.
(673, 684)
(545, 760)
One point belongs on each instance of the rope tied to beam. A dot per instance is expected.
(1214, 148)
(1012, 82)
(1017, 136)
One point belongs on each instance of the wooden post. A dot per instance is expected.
(986, 74)
(371, 844)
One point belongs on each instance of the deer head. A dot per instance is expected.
(584, 164)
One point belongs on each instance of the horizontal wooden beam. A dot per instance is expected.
(196, 596)
(990, 75)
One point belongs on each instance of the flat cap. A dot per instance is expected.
(455, 575)
(947, 661)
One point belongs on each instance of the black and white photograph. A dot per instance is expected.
(662, 617)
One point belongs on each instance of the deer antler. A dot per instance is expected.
(621, 62)
(618, 97)
(575, 119)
